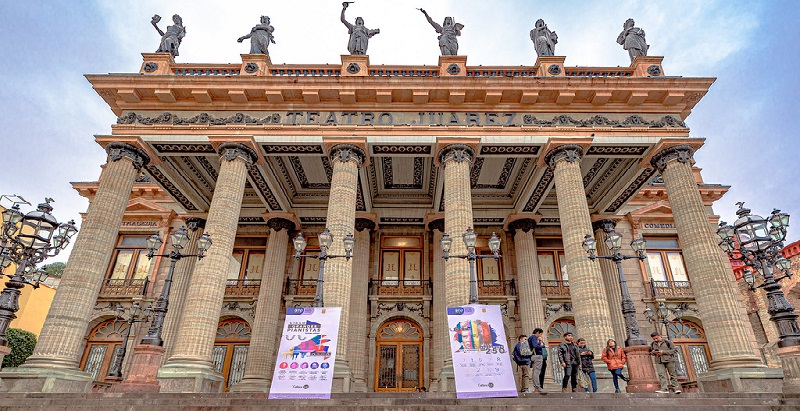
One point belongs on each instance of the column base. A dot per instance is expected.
(744, 379)
(360, 385)
(190, 375)
(254, 383)
(790, 362)
(641, 370)
(342, 376)
(4, 350)
(143, 371)
(45, 380)
(447, 378)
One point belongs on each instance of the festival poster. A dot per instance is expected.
(481, 357)
(306, 354)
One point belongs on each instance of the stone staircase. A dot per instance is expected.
(397, 402)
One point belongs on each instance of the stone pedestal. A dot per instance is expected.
(447, 377)
(45, 380)
(741, 379)
(255, 65)
(790, 362)
(144, 367)
(4, 350)
(641, 370)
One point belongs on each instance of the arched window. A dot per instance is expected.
(102, 348)
(399, 353)
(230, 350)
(693, 353)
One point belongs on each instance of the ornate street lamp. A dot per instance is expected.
(325, 242)
(134, 314)
(179, 239)
(613, 241)
(26, 240)
(664, 315)
(757, 242)
(470, 238)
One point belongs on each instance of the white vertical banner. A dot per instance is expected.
(306, 354)
(481, 358)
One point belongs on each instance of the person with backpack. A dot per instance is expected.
(538, 359)
(615, 359)
(587, 368)
(522, 356)
(664, 351)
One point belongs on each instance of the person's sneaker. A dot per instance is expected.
(565, 389)
(662, 391)
(678, 391)
(541, 391)
(525, 391)
(617, 391)
(626, 379)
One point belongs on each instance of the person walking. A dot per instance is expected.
(587, 368)
(537, 359)
(664, 352)
(522, 357)
(615, 359)
(570, 362)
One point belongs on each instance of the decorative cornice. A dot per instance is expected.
(263, 187)
(116, 151)
(230, 151)
(279, 224)
(602, 121)
(509, 150)
(633, 151)
(683, 153)
(193, 223)
(202, 118)
(347, 152)
(539, 191)
(525, 224)
(184, 148)
(170, 187)
(605, 225)
(365, 224)
(632, 189)
(436, 225)
(570, 152)
(401, 220)
(400, 149)
(596, 167)
(292, 148)
(457, 153)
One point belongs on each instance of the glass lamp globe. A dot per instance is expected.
(299, 243)
(613, 241)
(446, 243)
(349, 242)
(470, 238)
(179, 238)
(494, 243)
(325, 239)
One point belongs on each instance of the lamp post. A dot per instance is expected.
(614, 243)
(135, 315)
(470, 238)
(663, 316)
(325, 242)
(26, 240)
(179, 240)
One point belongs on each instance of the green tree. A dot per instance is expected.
(21, 343)
(55, 269)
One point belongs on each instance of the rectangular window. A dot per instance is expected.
(248, 259)
(413, 267)
(665, 261)
(391, 267)
(130, 259)
(552, 264)
(401, 261)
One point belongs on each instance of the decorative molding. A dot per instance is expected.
(549, 221)
(212, 172)
(202, 118)
(606, 175)
(505, 174)
(605, 225)
(143, 178)
(199, 148)
(432, 179)
(251, 67)
(150, 66)
(525, 224)
(170, 188)
(292, 149)
(453, 69)
(596, 167)
(632, 189)
(365, 224)
(236, 306)
(617, 150)
(230, 151)
(554, 69)
(654, 70)
(388, 174)
(570, 152)
(194, 223)
(475, 172)
(602, 121)
(457, 153)
(279, 224)
(539, 191)
(353, 68)
(400, 149)
(251, 220)
(506, 150)
(683, 153)
(117, 151)
(192, 169)
(386, 308)
(263, 187)
(522, 169)
(360, 205)
(312, 220)
(437, 224)
(402, 220)
(300, 173)
(550, 310)
(486, 221)
(347, 152)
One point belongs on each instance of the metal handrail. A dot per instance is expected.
(124, 286)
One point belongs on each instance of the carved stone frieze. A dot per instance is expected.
(457, 153)
(400, 149)
(300, 173)
(522, 169)
(347, 152)
(596, 167)
(194, 223)
(292, 148)
(251, 220)
(569, 152)
(617, 150)
(117, 151)
(453, 69)
(605, 225)
(554, 69)
(401, 220)
(683, 153)
(506, 150)
(606, 175)
(184, 148)
(241, 308)
(212, 172)
(251, 67)
(632, 189)
(525, 224)
(312, 220)
(170, 187)
(202, 118)
(539, 191)
(353, 68)
(279, 224)
(385, 308)
(602, 121)
(551, 310)
(436, 225)
(263, 187)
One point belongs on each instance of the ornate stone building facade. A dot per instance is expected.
(398, 156)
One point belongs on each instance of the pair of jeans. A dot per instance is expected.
(593, 377)
(541, 373)
(538, 371)
(662, 369)
(570, 372)
(616, 375)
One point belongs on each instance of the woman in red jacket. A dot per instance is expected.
(615, 358)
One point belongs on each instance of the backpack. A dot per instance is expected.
(525, 349)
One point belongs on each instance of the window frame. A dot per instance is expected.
(664, 254)
(557, 254)
(136, 255)
(401, 267)
(246, 251)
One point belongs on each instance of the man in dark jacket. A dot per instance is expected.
(537, 360)
(664, 352)
(570, 361)
(523, 363)
(587, 368)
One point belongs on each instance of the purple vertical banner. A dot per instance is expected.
(481, 356)
(306, 353)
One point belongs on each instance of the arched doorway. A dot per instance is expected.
(555, 335)
(399, 354)
(102, 348)
(230, 350)
(693, 353)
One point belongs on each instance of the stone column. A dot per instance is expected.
(531, 307)
(261, 353)
(590, 303)
(610, 279)
(441, 341)
(180, 283)
(53, 367)
(341, 219)
(711, 275)
(359, 314)
(189, 369)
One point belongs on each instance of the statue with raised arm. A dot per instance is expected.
(632, 39)
(260, 36)
(171, 40)
(359, 34)
(448, 34)
(544, 40)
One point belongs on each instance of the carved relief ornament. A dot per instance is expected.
(457, 153)
(682, 153)
(116, 151)
(230, 151)
(525, 224)
(364, 224)
(279, 224)
(346, 152)
(569, 152)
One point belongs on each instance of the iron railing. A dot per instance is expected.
(400, 287)
(300, 287)
(496, 288)
(236, 287)
(670, 289)
(124, 286)
(555, 288)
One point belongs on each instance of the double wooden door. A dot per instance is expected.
(399, 357)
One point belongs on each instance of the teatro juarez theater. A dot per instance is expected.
(253, 153)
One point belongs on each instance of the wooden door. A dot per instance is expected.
(399, 357)
(105, 343)
(230, 350)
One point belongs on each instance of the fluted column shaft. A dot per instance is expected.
(531, 308)
(358, 303)
(456, 159)
(710, 273)
(590, 303)
(611, 282)
(441, 341)
(60, 342)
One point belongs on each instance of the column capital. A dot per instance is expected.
(436, 225)
(683, 153)
(347, 152)
(116, 151)
(193, 223)
(364, 224)
(525, 224)
(606, 225)
(457, 153)
(569, 152)
(278, 224)
(230, 151)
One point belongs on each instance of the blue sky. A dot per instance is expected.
(49, 111)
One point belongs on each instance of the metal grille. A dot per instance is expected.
(680, 364)
(699, 358)
(237, 365)
(558, 372)
(95, 360)
(218, 357)
(410, 366)
(387, 367)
